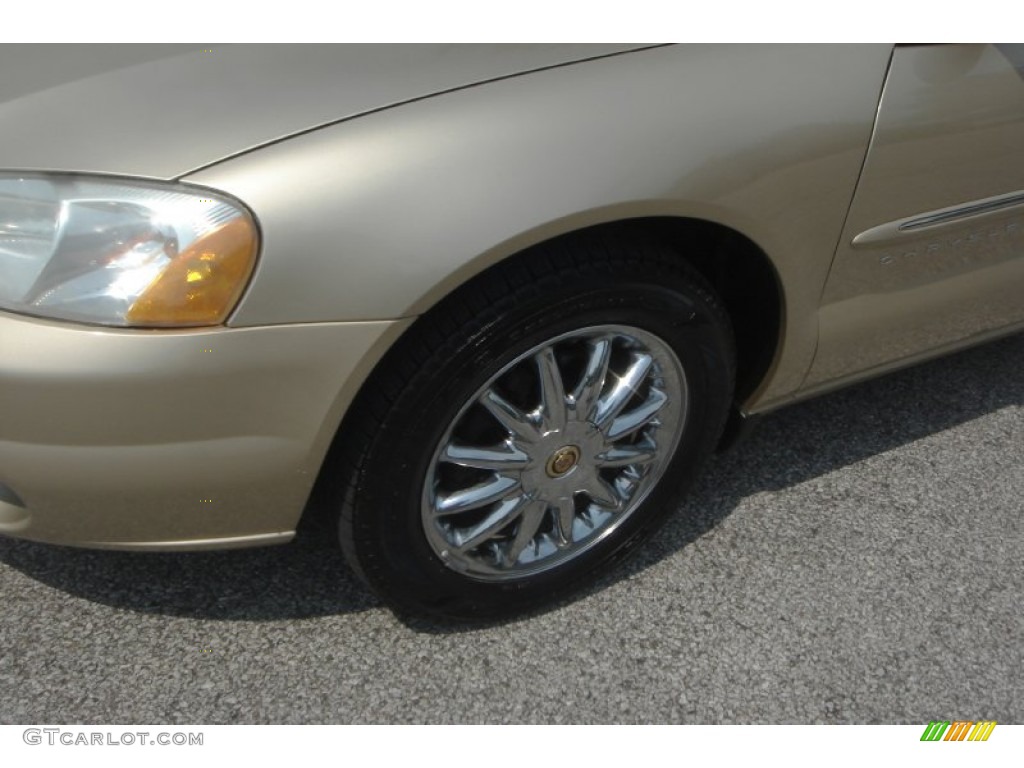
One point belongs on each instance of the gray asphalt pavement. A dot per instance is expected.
(859, 560)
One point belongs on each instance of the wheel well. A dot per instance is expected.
(739, 271)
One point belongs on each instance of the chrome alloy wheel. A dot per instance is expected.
(554, 452)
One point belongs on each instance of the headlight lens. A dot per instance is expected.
(121, 253)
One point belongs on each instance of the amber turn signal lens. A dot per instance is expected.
(203, 283)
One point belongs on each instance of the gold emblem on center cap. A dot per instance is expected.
(563, 460)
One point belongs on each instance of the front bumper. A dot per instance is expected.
(187, 439)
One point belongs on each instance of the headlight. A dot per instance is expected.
(121, 253)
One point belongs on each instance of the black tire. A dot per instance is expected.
(390, 442)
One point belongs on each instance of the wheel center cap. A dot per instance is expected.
(563, 460)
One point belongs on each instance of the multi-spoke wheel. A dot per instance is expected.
(530, 431)
(554, 451)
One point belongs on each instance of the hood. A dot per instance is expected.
(163, 111)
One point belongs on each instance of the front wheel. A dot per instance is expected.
(533, 429)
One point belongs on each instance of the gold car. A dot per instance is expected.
(497, 302)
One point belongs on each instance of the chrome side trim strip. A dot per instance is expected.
(965, 211)
(912, 225)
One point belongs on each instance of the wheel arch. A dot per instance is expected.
(739, 270)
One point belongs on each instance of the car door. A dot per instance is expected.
(932, 251)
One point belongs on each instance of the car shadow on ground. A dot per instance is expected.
(309, 578)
